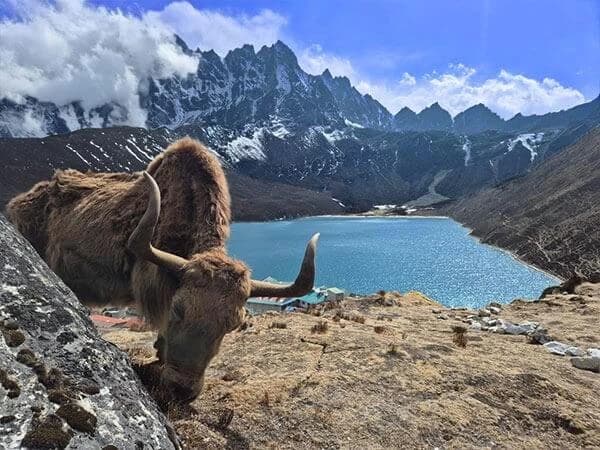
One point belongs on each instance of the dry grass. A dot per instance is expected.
(279, 325)
(459, 336)
(140, 327)
(265, 400)
(392, 350)
(320, 327)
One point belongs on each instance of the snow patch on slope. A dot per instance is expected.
(352, 124)
(244, 148)
(467, 149)
(528, 140)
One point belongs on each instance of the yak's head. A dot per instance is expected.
(212, 289)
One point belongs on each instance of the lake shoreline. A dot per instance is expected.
(395, 217)
(440, 279)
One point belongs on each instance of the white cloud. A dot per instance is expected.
(73, 51)
(456, 90)
(206, 29)
(314, 61)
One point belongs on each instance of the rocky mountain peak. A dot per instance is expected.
(478, 118)
(434, 117)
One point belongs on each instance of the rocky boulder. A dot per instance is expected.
(61, 384)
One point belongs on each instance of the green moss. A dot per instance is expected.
(47, 434)
(59, 396)
(9, 384)
(13, 338)
(78, 418)
(27, 357)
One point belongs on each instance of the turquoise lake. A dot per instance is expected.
(436, 256)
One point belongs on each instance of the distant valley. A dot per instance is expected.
(296, 144)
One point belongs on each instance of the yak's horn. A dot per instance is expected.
(303, 284)
(140, 240)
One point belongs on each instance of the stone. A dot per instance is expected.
(540, 336)
(587, 363)
(594, 352)
(484, 313)
(494, 310)
(559, 348)
(475, 326)
(443, 317)
(522, 328)
(102, 399)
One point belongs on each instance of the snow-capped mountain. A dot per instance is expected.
(263, 88)
(267, 118)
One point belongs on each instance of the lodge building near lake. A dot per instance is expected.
(317, 296)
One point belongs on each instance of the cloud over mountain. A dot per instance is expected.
(72, 51)
(457, 89)
(214, 30)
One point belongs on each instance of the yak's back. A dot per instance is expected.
(195, 206)
(29, 214)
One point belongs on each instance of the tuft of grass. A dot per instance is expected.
(392, 350)
(225, 418)
(265, 401)
(379, 329)
(280, 325)
(320, 327)
(358, 319)
(459, 336)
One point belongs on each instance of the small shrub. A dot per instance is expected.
(320, 327)
(280, 325)
(358, 319)
(379, 329)
(381, 293)
(265, 401)
(225, 418)
(460, 336)
(392, 350)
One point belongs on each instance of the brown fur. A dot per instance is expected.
(80, 224)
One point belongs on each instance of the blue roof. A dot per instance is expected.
(313, 298)
(336, 290)
(271, 301)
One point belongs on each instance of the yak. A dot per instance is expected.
(156, 240)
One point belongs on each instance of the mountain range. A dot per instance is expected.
(263, 88)
(271, 122)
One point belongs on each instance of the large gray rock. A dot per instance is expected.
(61, 384)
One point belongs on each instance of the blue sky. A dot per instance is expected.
(385, 38)
(412, 53)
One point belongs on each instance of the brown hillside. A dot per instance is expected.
(551, 217)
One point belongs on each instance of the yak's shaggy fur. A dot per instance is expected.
(77, 217)
(97, 232)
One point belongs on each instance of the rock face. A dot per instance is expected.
(62, 385)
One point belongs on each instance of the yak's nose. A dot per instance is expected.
(182, 389)
(181, 393)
